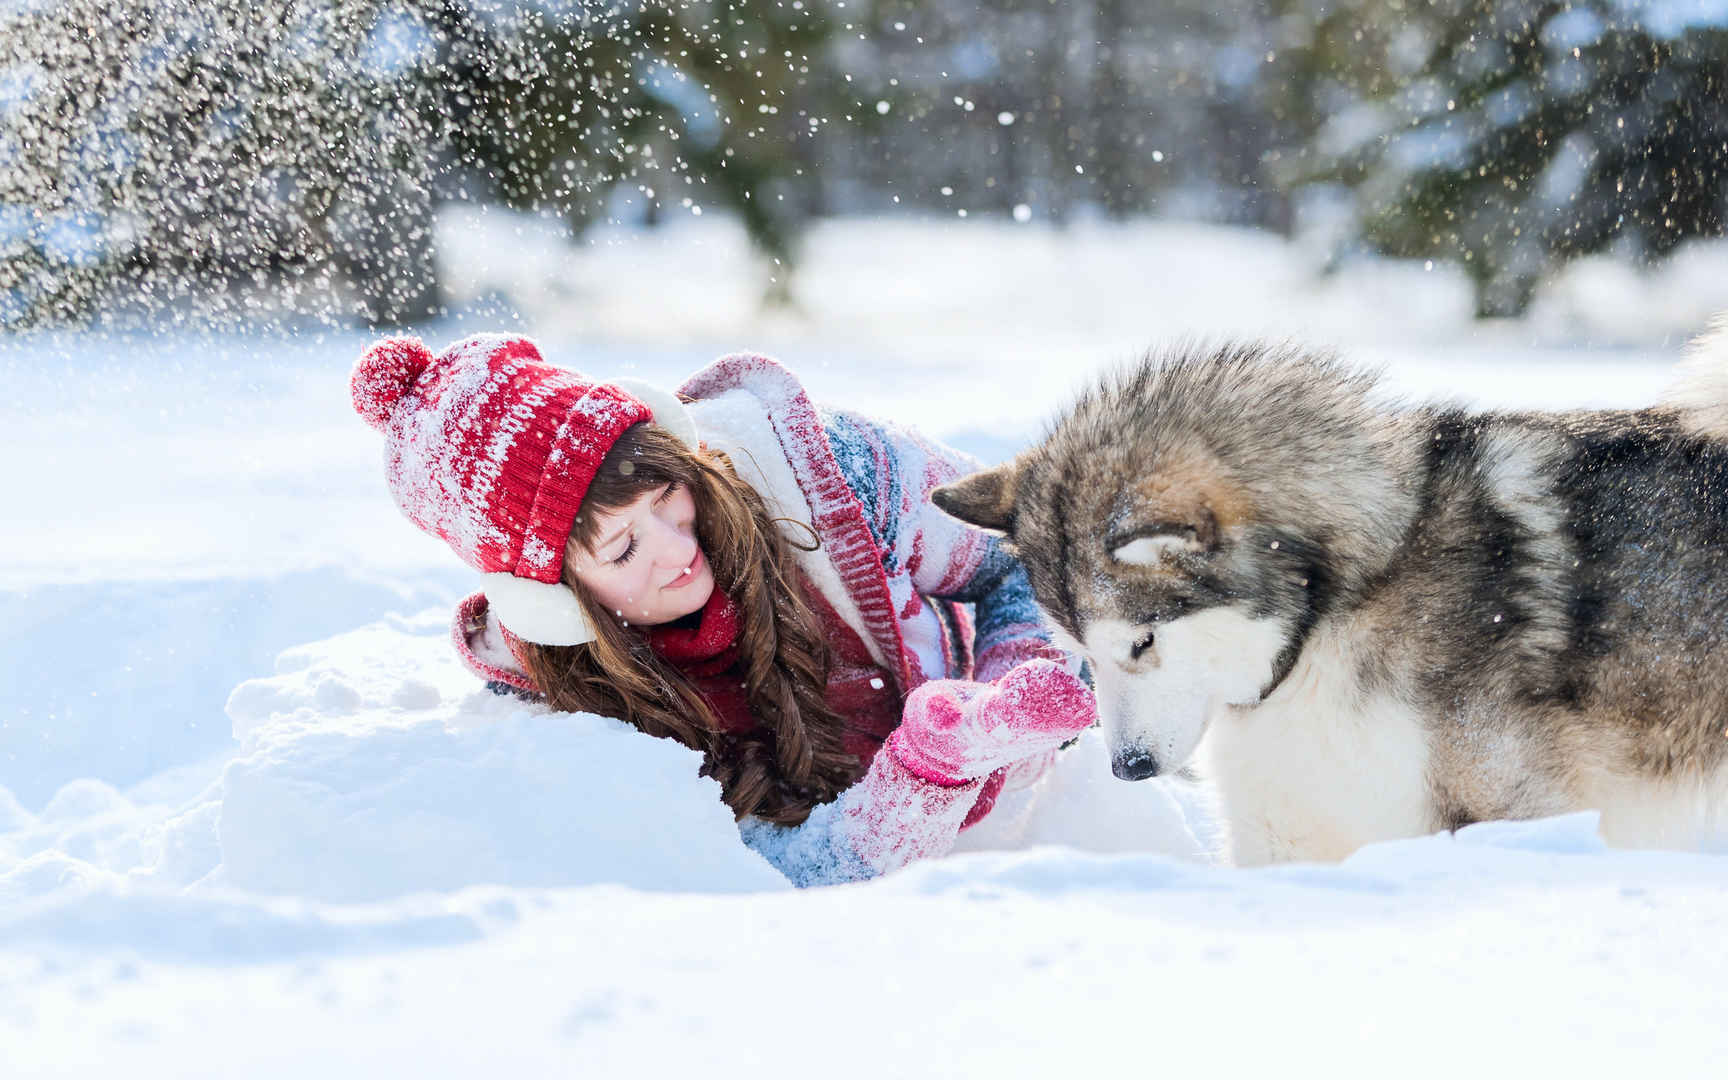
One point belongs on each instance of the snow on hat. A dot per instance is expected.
(491, 449)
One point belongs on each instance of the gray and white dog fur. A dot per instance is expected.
(1366, 620)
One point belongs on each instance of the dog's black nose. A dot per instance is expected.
(1134, 766)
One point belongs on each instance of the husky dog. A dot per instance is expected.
(1388, 620)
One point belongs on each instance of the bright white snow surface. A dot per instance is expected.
(256, 821)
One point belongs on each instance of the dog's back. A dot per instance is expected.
(1564, 604)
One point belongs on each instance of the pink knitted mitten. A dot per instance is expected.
(953, 731)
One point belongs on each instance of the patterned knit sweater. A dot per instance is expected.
(925, 596)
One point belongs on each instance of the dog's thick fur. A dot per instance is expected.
(1388, 620)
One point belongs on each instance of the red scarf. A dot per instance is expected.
(858, 690)
(706, 651)
(707, 648)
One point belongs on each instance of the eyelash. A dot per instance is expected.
(630, 552)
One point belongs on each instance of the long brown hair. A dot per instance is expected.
(793, 759)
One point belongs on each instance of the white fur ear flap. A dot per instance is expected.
(669, 412)
(535, 611)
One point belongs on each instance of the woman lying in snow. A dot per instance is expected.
(759, 579)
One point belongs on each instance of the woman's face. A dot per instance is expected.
(646, 566)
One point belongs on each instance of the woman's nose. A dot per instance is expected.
(678, 544)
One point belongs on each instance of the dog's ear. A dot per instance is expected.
(983, 499)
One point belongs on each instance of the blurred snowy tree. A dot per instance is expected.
(684, 104)
(195, 157)
(1128, 106)
(228, 161)
(1512, 135)
(274, 161)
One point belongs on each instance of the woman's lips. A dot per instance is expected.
(686, 575)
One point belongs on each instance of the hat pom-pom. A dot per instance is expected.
(384, 373)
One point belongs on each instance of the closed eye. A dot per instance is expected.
(629, 553)
(670, 490)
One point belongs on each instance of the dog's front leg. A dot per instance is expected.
(1241, 803)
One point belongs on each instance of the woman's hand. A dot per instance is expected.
(953, 731)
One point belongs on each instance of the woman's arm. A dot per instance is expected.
(889, 818)
(893, 471)
(930, 775)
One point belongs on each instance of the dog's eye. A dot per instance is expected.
(1141, 644)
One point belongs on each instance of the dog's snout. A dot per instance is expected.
(1134, 766)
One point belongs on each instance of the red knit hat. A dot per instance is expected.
(491, 449)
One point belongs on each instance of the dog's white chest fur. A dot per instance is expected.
(1320, 767)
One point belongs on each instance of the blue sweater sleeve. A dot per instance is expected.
(892, 472)
(887, 819)
(807, 854)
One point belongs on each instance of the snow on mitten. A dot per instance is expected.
(893, 816)
(953, 731)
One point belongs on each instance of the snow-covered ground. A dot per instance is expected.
(254, 820)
